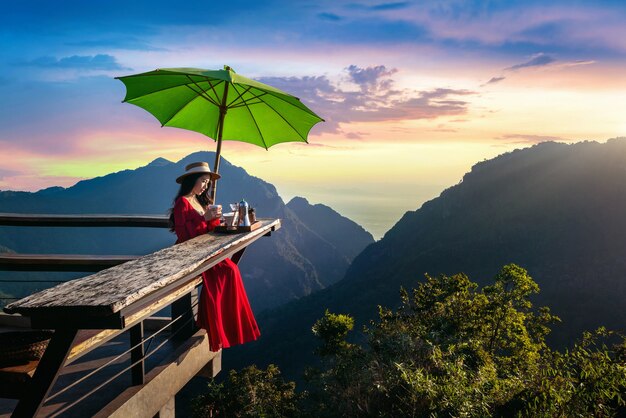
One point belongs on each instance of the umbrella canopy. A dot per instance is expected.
(221, 104)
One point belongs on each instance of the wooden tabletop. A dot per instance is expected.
(111, 291)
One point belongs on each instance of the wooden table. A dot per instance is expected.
(118, 299)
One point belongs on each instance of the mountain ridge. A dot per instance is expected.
(292, 263)
(554, 209)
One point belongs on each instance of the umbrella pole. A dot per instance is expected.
(216, 164)
(218, 150)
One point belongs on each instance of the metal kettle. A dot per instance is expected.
(244, 219)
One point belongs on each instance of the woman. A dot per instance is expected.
(223, 310)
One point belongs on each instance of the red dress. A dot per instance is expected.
(223, 310)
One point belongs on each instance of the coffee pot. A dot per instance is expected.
(244, 219)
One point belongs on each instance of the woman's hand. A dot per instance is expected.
(213, 212)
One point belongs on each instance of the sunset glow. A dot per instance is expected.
(413, 93)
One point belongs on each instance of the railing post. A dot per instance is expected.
(237, 256)
(185, 308)
(137, 354)
(46, 373)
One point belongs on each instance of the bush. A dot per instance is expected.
(450, 350)
(252, 392)
(454, 350)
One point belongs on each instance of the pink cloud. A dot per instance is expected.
(376, 100)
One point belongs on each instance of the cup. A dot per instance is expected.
(215, 211)
(228, 218)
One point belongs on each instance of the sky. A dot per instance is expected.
(413, 93)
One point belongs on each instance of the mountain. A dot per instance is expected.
(346, 236)
(555, 209)
(294, 262)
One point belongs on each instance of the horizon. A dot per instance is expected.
(413, 94)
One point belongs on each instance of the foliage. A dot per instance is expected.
(589, 380)
(450, 349)
(332, 329)
(252, 392)
(454, 350)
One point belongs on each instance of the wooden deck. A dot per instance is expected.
(93, 311)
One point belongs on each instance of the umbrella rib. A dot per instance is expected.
(209, 98)
(304, 108)
(239, 96)
(215, 92)
(245, 104)
(286, 121)
(199, 94)
(179, 109)
(254, 120)
(157, 90)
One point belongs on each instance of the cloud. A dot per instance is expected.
(530, 139)
(376, 99)
(85, 62)
(329, 16)
(538, 60)
(7, 173)
(494, 80)
(390, 6)
(356, 135)
(577, 63)
(371, 78)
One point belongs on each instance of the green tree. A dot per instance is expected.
(252, 392)
(454, 350)
(588, 380)
(450, 350)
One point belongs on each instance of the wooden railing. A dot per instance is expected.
(85, 313)
(31, 219)
(72, 262)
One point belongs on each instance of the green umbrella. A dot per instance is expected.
(222, 105)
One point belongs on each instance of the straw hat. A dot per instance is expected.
(195, 168)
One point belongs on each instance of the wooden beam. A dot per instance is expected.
(61, 262)
(46, 374)
(136, 354)
(31, 219)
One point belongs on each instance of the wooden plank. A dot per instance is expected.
(119, 287)
(61, 262)
(97, 220)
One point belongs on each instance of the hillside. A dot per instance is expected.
(293, 263)
(346, 236)
(555, 209)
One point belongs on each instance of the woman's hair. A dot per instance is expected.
(185, 188)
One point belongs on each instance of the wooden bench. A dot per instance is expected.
(89, 311)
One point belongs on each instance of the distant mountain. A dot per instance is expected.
(345, 235)
(557, 210)
(294, 262)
